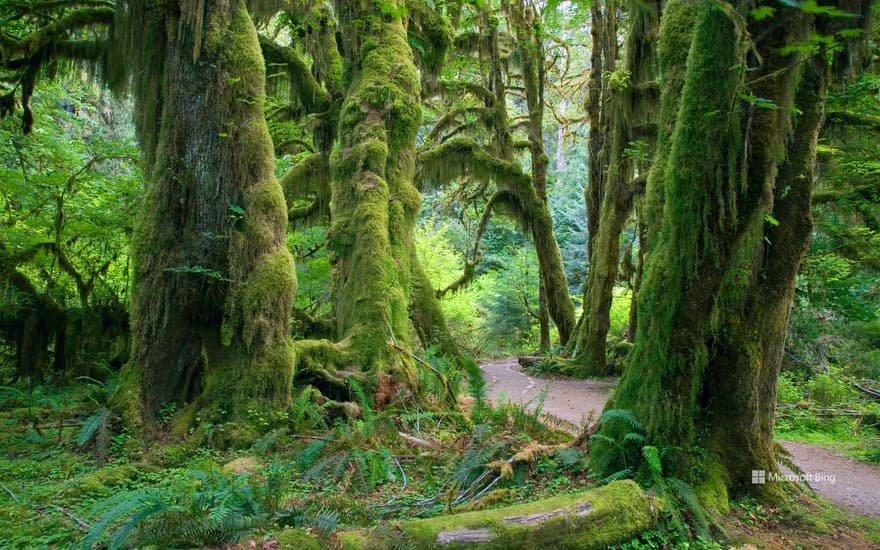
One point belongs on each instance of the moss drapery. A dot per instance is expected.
(719, 277)
(213, 280)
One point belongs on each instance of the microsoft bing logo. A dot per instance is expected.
(759, 477)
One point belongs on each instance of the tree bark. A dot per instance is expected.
(719, 275)
(618, 108)
(554, 283)
(213, 280)
(374, 201)
(748, 351)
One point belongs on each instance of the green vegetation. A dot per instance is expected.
(252, 252)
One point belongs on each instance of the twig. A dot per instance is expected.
(8, 490)
(400, 492)
(81, 523)
(41, 509)
(421, 361)
(329, 440)
(419, 442)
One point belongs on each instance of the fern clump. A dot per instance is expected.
(205, 508)
(627, 454)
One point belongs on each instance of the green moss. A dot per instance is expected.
(126, 399)
(259, 296)
(620, 511)
(297, 539)
(106, 479)
(686, 263)
(712, 491)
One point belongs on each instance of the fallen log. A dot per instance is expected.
(596, 518)
(529, 360)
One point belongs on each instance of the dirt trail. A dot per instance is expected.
(852, 485)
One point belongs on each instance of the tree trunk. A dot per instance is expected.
(213, 280)
(544, 342)
(748, 352)
(632, 322)
(686, 266)
(374, 201)
(552, 271)
(610, 194)
(715, 296)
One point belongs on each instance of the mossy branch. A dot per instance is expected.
(307, 90)
(462, 157)
(850, 118)
(430, 36)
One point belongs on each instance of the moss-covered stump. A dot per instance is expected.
(596, 518)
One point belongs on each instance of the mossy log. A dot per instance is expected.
(596, 518)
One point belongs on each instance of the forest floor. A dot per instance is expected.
(571, 403)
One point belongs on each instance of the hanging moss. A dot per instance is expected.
(683, 273)
(374, 201)
(430, 35)
(213, 281)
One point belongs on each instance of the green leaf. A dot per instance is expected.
(762, 12)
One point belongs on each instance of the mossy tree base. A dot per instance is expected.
(213, 280)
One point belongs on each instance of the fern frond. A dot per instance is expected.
(652, 459)
(626, 473)
(623, 415)
(310, 454)
(691, 501)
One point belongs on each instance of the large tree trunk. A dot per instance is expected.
(702, 217)
(747, 354)
(719, 278)
(213, 280)
(374, 201)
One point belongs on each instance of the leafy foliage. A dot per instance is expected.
(207, 507)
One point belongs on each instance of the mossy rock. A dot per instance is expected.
(297, 539)
(171, 455)
(596, 518)
(106, 479)
(242, 465)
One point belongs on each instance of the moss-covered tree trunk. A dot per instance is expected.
(719, 275)
(748, 349)
(374, 201)
(213, 280)
(617, 109)
(554, 284)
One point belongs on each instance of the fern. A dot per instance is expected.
(625, 454)
(307, 411)
(652, 459)
(96, 431)
(687, 496)
(216, 510)
(783, 458)
(268, 441)
(310, 454)
(623, 415)
(323, 520)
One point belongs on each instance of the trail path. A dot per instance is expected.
(852, 485)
